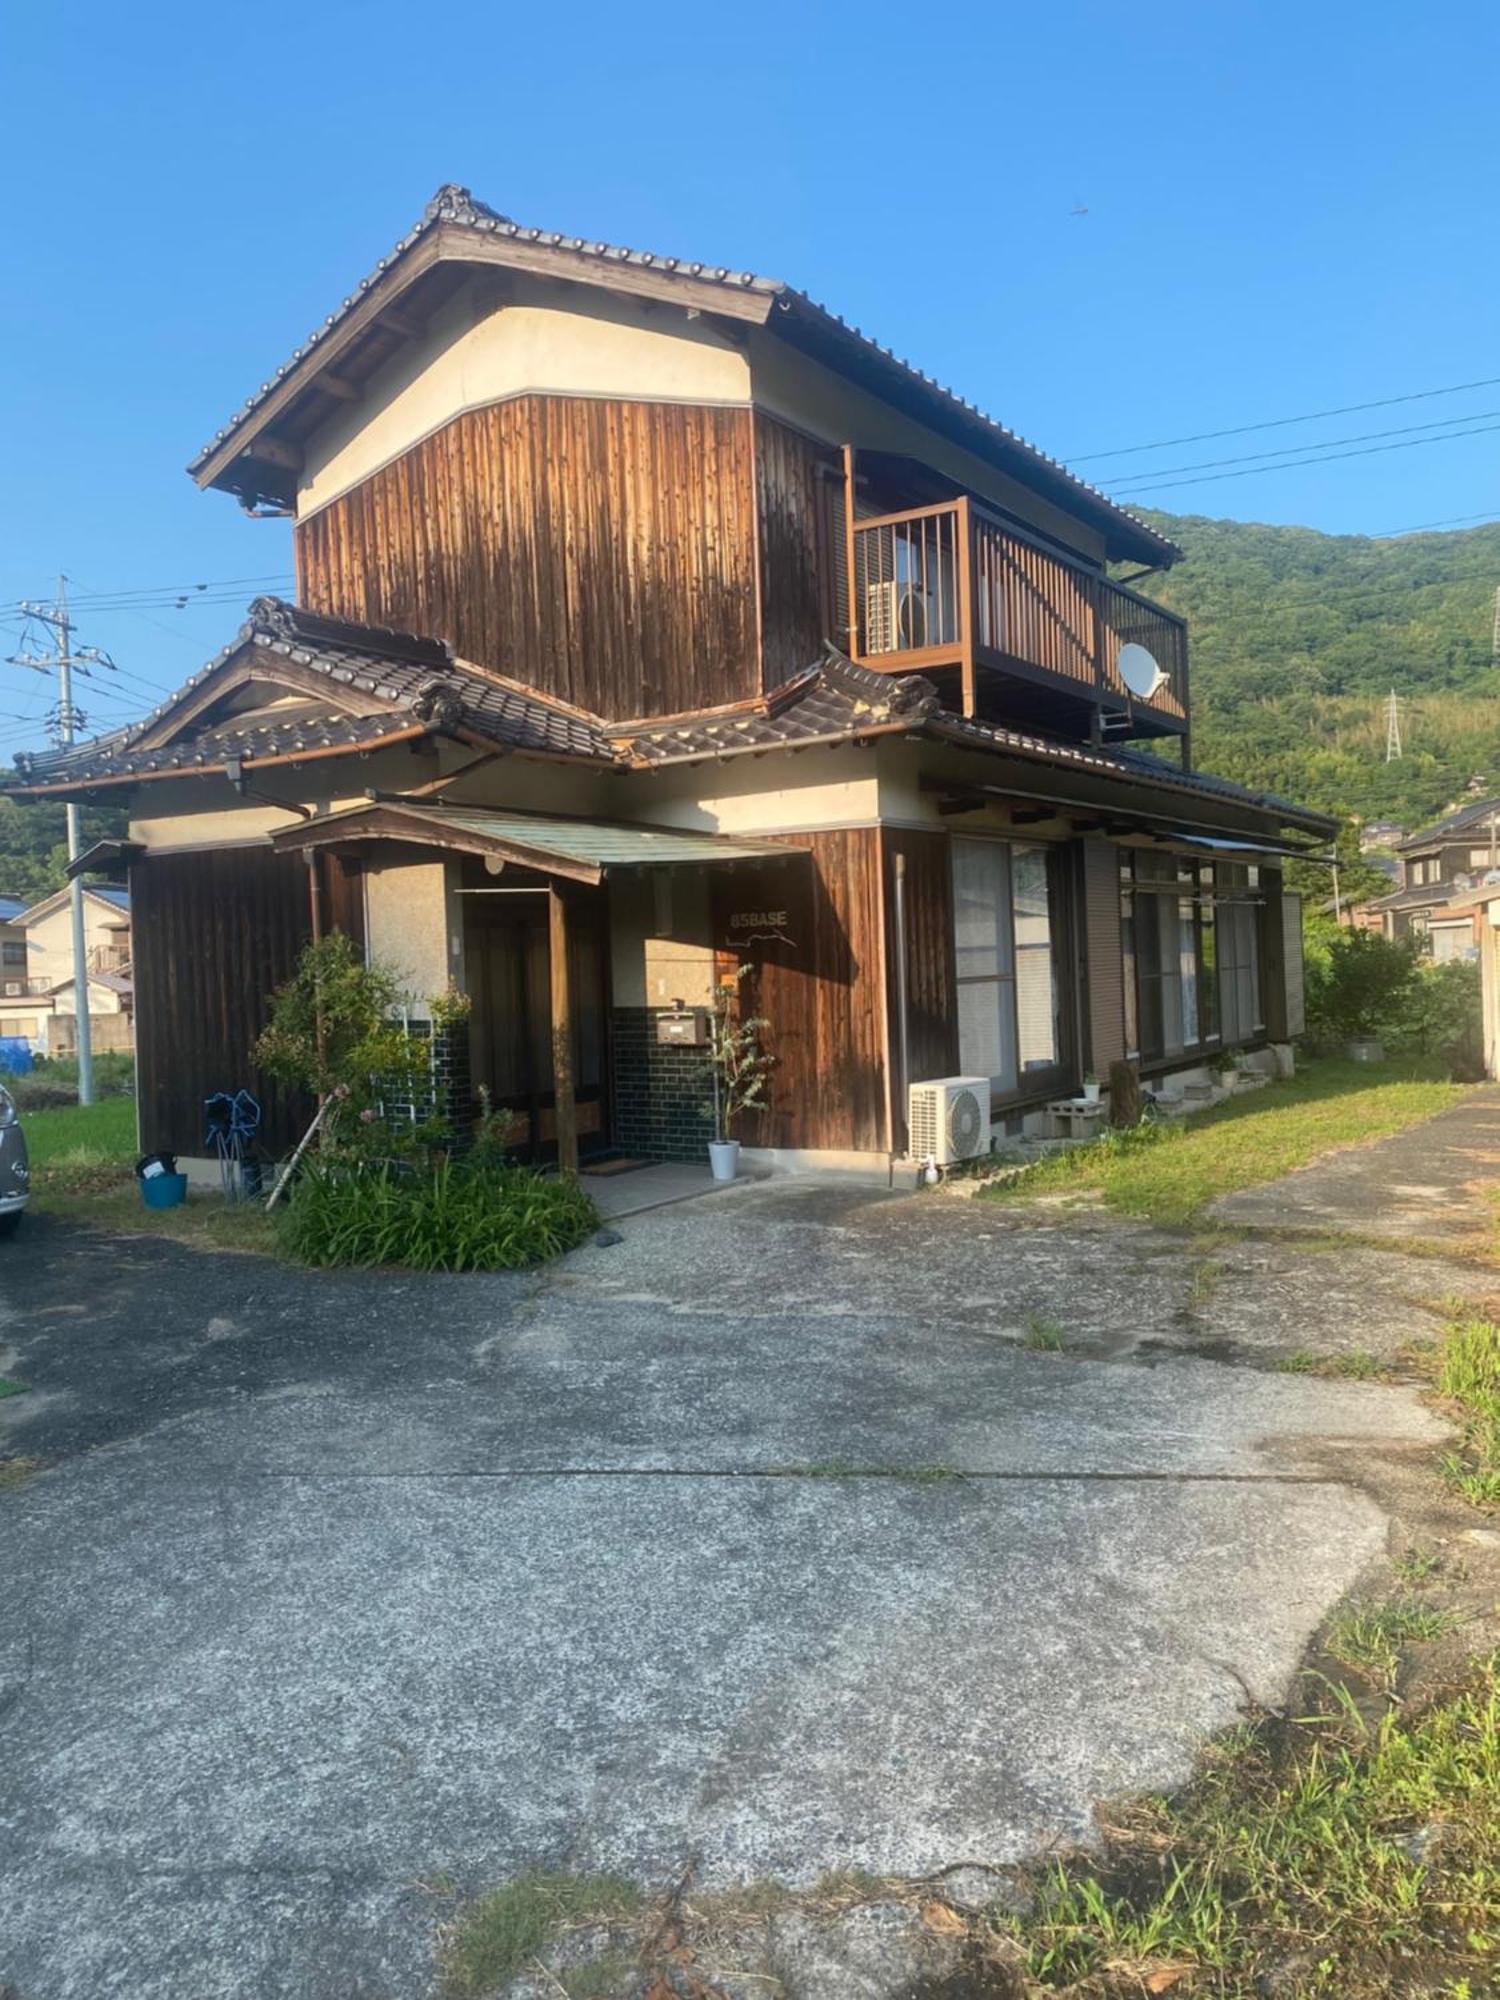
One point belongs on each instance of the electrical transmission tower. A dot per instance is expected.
(1392, 727)
(65, 660)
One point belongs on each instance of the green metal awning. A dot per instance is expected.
(580, 849)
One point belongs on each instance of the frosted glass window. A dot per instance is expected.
(1005, 950)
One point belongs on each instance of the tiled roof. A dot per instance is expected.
(420, 680)
(1479, 812)
(422, 685)
(455, 206)
(833, 700)
(837, 701)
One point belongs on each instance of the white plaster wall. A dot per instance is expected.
(778, 793)
(479, 349)
(802, 392)
(661, 938)
(49, 941)
(414, 927)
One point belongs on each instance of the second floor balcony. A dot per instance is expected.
(1012, 629)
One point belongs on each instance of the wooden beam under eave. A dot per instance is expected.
(565, 1112)
(277, 452)
(337, 385)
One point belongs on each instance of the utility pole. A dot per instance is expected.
(1392, 728)
(64, 659)
(1495, 634)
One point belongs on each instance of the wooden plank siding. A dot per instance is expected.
(931, 1005)
(820, 989)
(1103, 958)
(800, 511)
(213, 933)
(598, 549)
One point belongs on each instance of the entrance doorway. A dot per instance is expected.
(510, 1025)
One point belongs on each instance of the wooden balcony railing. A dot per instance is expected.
(950, 585)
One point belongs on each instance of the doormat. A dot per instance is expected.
(614, 1166)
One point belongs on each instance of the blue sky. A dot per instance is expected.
(1290, 208)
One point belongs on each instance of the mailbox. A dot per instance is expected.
(685, 1027)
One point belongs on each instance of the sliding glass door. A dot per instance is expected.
(1008, 928)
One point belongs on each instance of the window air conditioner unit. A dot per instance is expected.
(948, 1120)
(895, 618)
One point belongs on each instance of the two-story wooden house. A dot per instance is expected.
(649, 620)
(1442, 866)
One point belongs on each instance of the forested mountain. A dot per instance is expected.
(1299, 637)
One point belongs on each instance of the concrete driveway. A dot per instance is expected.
(760, 1539)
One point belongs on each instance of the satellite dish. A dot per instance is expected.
(1139, 671)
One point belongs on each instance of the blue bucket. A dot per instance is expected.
(164, 1190)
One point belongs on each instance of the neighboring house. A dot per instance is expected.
(1380, 834)
(654, 622)
(1441, 867)
(37, 990)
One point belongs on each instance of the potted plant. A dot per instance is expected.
(739, 1066)
(1091, 1088)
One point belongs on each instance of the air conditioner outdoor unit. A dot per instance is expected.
(949, 1119)
(14, 988)
(895, 618)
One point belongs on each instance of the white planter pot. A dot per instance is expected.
(724, 1158)
(1091, 1093)
(1364, 1049)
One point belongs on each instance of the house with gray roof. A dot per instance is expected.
(656, 631)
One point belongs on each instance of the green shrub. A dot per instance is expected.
(114, 1075)
(40, 1093)
(1359, 984)
(446, 1215)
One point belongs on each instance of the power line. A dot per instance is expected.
(1279, 423)
(1449, 521)
(1291, 450)
(168, 592)
(1365, 451)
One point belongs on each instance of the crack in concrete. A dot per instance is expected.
(915, 1475)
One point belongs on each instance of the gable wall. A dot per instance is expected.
(599, 549)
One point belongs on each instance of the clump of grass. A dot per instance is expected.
(1415, 1565)
(1359, 1365)
(1299, 1361)
(1469, 1372)
(1369, 1637)
(1043, 1335)
(444, 1217)
(502, 1931)
(1206, 1276)
(847, 1885)
(1295, 1850)
(9, 1386)
(14, 1472)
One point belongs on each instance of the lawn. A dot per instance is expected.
(81, 1161)
(1169, 1173)
(81, 1136)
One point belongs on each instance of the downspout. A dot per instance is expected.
(901, 1025)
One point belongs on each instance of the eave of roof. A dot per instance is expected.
(576, 848)
(787, 311)
(424, 688)
(1480, 813)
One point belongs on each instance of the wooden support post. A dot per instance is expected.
(964, 552)
(851, 646)
(565, 1111)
